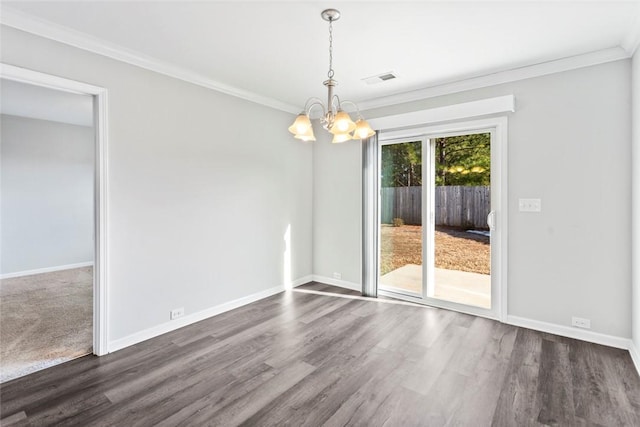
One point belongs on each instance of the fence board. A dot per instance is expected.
(456, 206)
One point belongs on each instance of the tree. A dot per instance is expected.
(463, 160)
(459, 160)
(402, 165)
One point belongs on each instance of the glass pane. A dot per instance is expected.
(401, 218)
(462, 202)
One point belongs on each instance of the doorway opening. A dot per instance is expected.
(53, 281)
(437, 236)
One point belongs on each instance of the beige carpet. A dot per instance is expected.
(45, 319)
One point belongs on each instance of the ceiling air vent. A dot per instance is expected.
(390, 75)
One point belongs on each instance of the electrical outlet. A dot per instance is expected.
(579, 322)
(529, 205)
(337, 275)
(176, 312)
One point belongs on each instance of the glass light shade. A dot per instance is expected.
(342, 123)
(363, 130)
(341, 137)
(307, 136)
(301, 125)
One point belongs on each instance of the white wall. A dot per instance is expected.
(46, 194)
(337, 202)
(569, 144)
(202, 188)
(635, 167)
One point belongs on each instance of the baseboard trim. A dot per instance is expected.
(189, 319)
(337, 282)
(565, 331)
(46, 270)
(589, 336)
(301, 281)
(635, 356)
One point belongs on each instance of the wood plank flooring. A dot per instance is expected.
(308, 358)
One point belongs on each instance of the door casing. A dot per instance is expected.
(99, 94)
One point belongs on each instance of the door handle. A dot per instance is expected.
(491, 220)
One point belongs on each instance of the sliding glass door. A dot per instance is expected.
(401, 217)
(436, 220)
(459, 239)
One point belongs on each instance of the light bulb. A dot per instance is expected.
(301, 125)
(342, 126)
(306, 136)
(363, 130)
(341, 137)
(342, 123)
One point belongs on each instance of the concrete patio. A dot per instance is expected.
(450, 285)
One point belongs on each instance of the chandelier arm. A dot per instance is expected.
(337, 103)
(311, 102)
(346, 101)
(319, 103)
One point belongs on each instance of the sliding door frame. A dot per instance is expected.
(497, 126)
(99, 94)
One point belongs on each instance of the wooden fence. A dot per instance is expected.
(456, 206)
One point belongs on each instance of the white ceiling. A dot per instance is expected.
(279, 50)
(37, 102)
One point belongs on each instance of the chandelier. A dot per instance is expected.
(334, 118)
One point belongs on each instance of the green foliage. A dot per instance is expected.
(463, 160)
(402, 165)
(459, 160)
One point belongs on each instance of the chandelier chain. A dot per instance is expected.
(331, 73)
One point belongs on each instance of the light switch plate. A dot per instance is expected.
(529, 205)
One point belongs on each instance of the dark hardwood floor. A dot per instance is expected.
(301, 358)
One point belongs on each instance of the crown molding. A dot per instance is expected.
(24, 22)
(632, 40)
(522, 73)
(30, 24)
